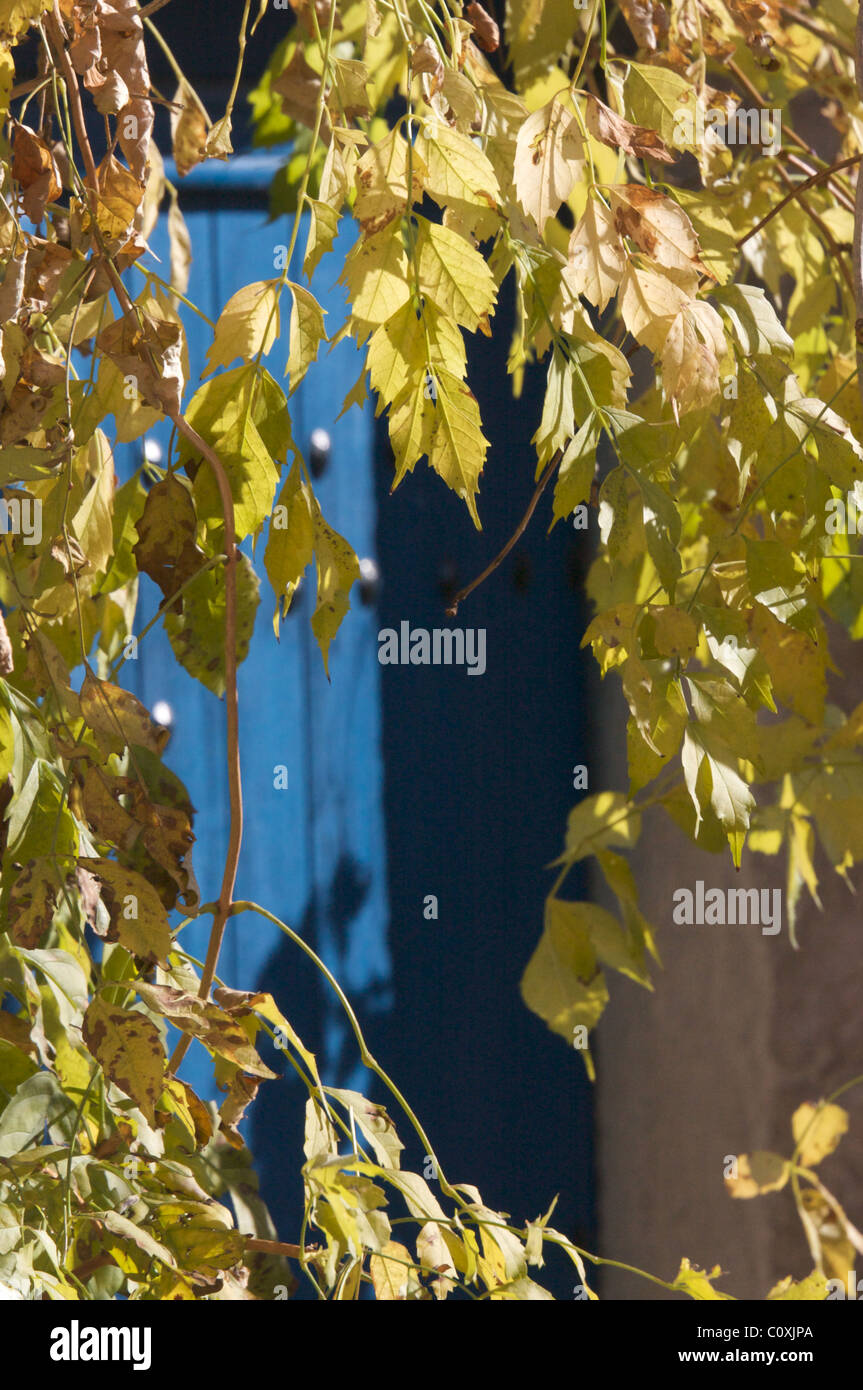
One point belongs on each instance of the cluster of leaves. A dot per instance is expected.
(834, 1242)
(717, 274)
(712, 584)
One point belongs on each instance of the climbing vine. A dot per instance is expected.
(687, 274)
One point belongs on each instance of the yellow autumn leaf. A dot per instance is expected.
(818, 1131)
(247, 326)
(307, 332)
(120, 195)
(758, 1173)
(596, 258)
(697, 1283)
(138, 919)
(454, 275)
(376, 275)
(382, 182)
(129, 1050)
(18, 15)
(323, 225)
(392, 1272)
(457, 170)
(337, 567)
(291, 540)
(457, 446)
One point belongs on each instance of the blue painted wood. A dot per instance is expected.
(477, 779)
(313, 854)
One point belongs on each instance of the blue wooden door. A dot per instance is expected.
(403, 782)
(314, 852)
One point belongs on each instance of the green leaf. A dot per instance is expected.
(662, 100)
(306, 334)
(711, 775)
(697, 1283)
(576, 472)
(39, 1101)
(39, 821)
(223, 411)
(754, 322)
(562, 982)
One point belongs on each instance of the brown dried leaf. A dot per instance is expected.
(659, 227)
(212, 1025)
(647, 20)
(134, 127)
(129, 1050)
(242, 1090)
(129, 346)
(34, 167)
(108, 90)
(638, 140)
(88, 887)
(166, 548)
(299, 87)
(189, 127)
(486, 31)
(425, 59)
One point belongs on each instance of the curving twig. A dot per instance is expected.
(519, 531)
(820, 177)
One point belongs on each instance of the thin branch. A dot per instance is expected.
(759, 100)
(519, 531)
(279, 1247)
(235, 790)
(54, 25)
(795, 192)
(846, 199)
(832, 40)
